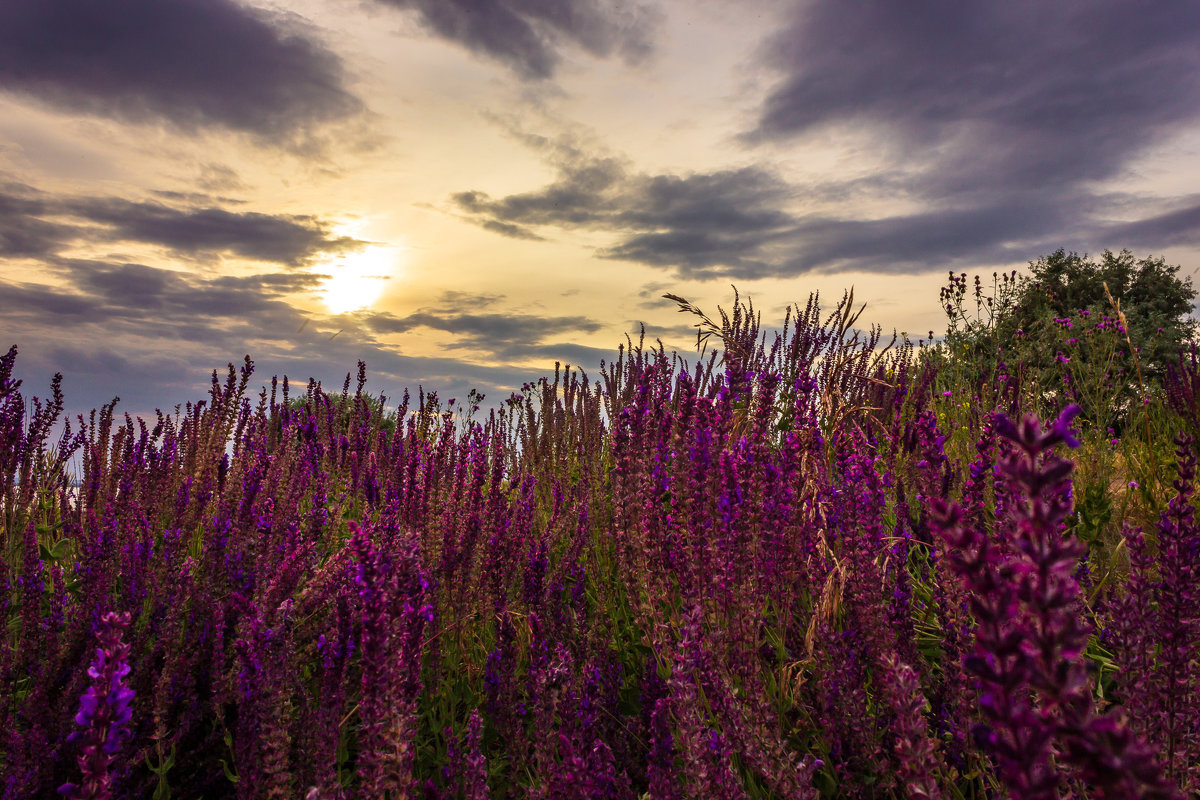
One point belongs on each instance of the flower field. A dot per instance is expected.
(806, 564)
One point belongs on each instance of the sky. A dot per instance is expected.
(462, 192)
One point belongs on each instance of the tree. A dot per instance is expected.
(1057, 330)
(1156, 302)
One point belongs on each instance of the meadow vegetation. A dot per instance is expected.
(810, 562)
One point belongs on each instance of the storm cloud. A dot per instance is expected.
(194, 63)
(992, 96)
(1001, 118)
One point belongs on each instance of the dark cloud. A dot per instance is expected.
(158, 303)
(577, 355)
(23, 231)
(284, 239)
(724, 222)
(1178, 227)
(924, 241)
(510, 230)
(745, 223)
(195, 63)
(38, 225)
(999, 117)
(996, 95)
(528, 35)
(498, 334)
(37, 302)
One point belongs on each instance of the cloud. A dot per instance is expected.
(748, 222)
(38, 225)
(529, 35)
(1000, 119)
(194, 63)
(154, 302)
(498, 334)
(286, 239)
(23, 231)
(1178, 227)
(998, 95)
(722, 222)
(510, 230)
(993, 125)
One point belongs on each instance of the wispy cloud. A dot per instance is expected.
(530, 35)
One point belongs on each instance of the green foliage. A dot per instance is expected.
(344, 407)
(1155, 300)
(1100, 333)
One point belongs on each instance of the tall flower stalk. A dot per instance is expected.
(104, 713)
(1036, 691)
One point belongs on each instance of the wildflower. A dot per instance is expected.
(1133, 485)
(947, 394)
(104, 711)
(1029, 638)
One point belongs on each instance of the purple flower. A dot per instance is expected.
(104, 712)
(1030, 639)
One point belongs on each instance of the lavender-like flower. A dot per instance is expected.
(104, 712)
(916, 751)
(1156, 629)
(1030, 640)
(474, 767)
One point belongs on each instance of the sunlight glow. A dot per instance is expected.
(356, 281)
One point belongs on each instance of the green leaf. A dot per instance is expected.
(228, 772)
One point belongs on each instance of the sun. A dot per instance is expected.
(356, 281)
